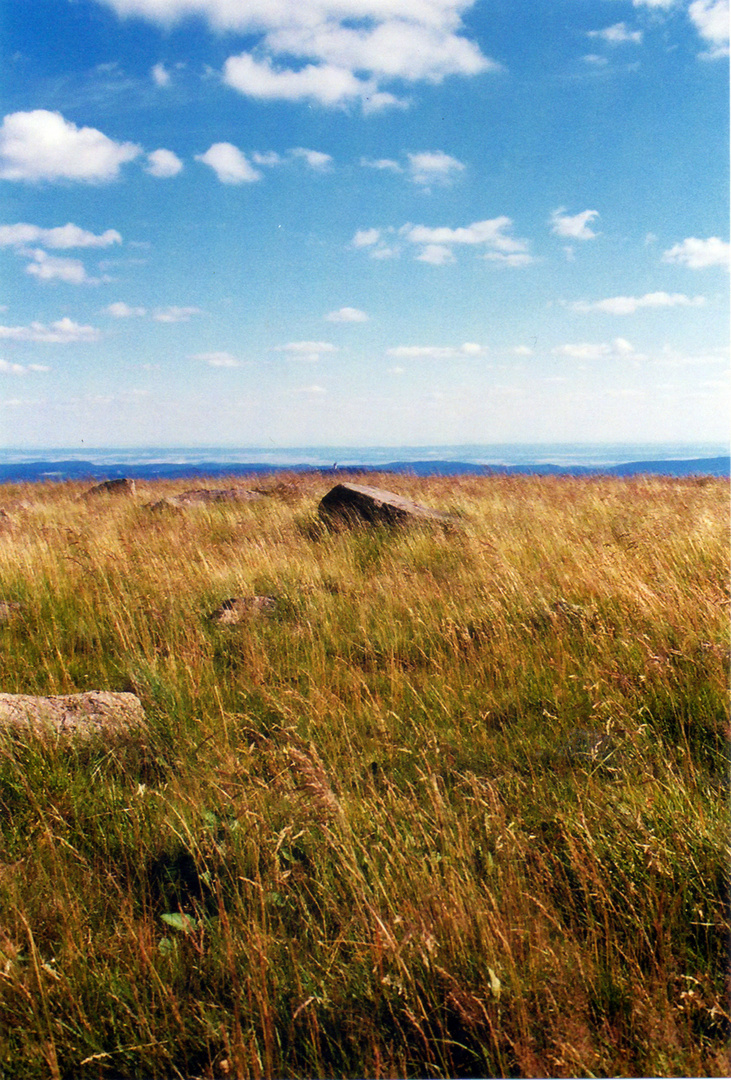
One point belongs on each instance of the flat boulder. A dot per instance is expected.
(121, 486)
(356, 504)
(239, 608)
(81, 718)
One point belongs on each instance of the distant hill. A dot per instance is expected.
(32, 471)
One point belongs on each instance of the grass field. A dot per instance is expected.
(455, 807)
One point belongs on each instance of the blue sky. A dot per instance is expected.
(363, 222)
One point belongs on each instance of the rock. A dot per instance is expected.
(163, 505)
(72, 717)
(8, 608)
(188, 498)
(355, 504)
(121, 486)
(237, 609)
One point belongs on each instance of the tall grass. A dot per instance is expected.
(455, 807)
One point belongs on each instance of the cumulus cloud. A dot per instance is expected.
(62, 332)
(8, 368)
(618, 349)
(436, 352)
(435, 244)
(310, 351)
(47, 267)
(64, 236)
(229, 164)
(42, 145)
(711, 20)
(163, 164)
(347, 315)
(573, 227)
(366, 237)
(160, 75)
(120, 310)
(618, 34)
(314, 158)
(628, 305)
(175, 314)
(342, 52)
(698, 254)
(217, 359)
(433, 167)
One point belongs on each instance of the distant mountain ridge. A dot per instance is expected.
(39, 471)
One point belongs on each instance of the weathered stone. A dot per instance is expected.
(220, 495)
(72, 717)
(239, 608)
(8, 608)
(355, 504)
(162, 505)
(121, 486)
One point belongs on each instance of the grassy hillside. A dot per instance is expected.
(455, 807)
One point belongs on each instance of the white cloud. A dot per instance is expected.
(347, 315)
(366, 237)
(618, 34)
(62, 332)
(64, 236)
(47, 267)
(268, 158)
(598, 61)
(382, 164)
(217, 359)
(229, 164)
(436, 255)
(711, 20)
(618, 349)
(314, 390)
(573, 227)
(436, 244)
(517, 258)
(698, 254)
(163, 164)
(8, 368)
(490, 233)
(430, 167)
(160, 75)
(349, 48)
(120, 310)
(436, 352)
(324, 83)
(662, 4)
(310, 351)
(175, 314)
(628, 305)
(314, 158)
(42, 145)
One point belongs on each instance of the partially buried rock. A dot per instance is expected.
(239, 608)
(8, 608)
(220, 495)
(80, 718)
(355, 504)
(121, 486)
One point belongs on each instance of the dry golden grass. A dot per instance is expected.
(455, 807)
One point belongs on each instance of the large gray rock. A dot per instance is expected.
(72, 717)
(121, 486)
(356, 504)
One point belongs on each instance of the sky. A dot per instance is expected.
(363, 222)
